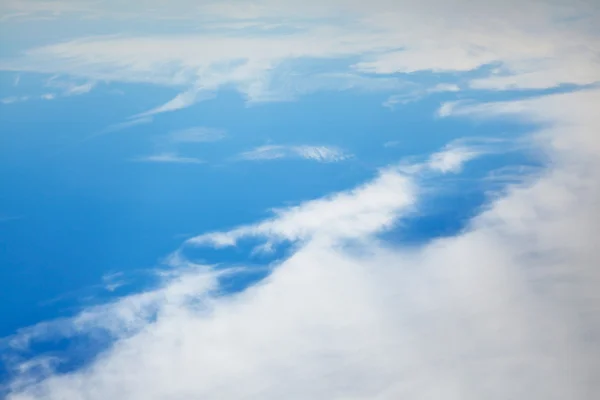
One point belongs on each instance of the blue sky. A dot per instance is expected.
(327, 200)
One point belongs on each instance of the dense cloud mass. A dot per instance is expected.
(507, 309)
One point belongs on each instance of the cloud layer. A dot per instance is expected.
(544, 44)
(506, 309)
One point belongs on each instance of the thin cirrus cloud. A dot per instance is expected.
(70, 88)
(63, 89)
(504, 309)
(199, 134)
(418, 94)
(168, 146)
(168, 158)
(324, 154)
(452, 159)
(20, 99)
(127, 124)
(182, 100)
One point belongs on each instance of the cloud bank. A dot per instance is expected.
(496, 45)
(508, 308)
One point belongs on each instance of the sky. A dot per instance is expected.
(329, 199)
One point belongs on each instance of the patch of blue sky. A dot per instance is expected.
(453, 201)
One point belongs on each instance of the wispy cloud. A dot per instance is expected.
(20, 99)
(171, 158)
(451, 159)
(169, 146)
(13, 99)
(314, 153)
(418, 94)
(180, 101)
(455, 155)
(199, 134)
(125, 125)
(66, 88)
(113, 281)
(70, 88)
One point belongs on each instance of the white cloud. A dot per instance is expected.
(452, 159)
(70, 88)
(80, 89)
(354, 214)
(113, 281)
(168, 146)
(198, 134)
(506, 309)
(391, 143)
(315, 153)
(35, 9)
(543, 45)
(444, 87)
(126, 315)
(320, 153)
(127, 124)
(20, 99)
(581, 69)
(67, 89)
(268, 152)
(446, 108)
(456, 154)
(418, 94)
(172, 158)
(419, 59)
(180, 101)
(13, 99)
